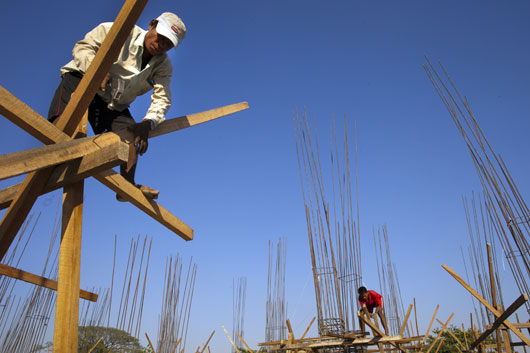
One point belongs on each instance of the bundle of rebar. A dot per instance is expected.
(239, 296)
(481, 233)
(506, 208)
(389, 282)
(333, 230)
(276, 307)
(24, 321)
(176, 306)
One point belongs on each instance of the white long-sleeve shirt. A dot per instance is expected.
(155, 76)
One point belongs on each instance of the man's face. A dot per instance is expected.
(154, 43)
(364, 296)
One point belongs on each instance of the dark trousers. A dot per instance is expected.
(100, 117)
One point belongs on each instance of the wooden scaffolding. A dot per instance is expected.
(66, 160)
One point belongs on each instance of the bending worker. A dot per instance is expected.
(142, 66)
(370, 300)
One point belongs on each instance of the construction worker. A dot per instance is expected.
(370, 300)
(142, 66)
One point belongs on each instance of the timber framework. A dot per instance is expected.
(66, 160)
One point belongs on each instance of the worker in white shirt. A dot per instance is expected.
(142, 66)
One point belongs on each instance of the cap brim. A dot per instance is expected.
(164, 30)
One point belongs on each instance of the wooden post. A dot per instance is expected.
(67, 306)
(493, 294)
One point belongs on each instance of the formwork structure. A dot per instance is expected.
(68, 158)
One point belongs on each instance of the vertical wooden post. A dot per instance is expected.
(65, 333)
(493, 294)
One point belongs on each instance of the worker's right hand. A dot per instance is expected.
(103, 85)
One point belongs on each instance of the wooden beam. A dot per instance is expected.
(208, 341)
(16, 273)
(486, 304)
(230, 338)
(26, 118)
(245, 343)
(67, 304)
(500, 320)
(404, 324)
(493, 293)
(430, 325)
(105, 56)
(74, 171)
(186, 121)
(131, 193)
(308, 327)
(23, 162)
(176, 345)
(150, 344)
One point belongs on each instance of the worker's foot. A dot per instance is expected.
(148, 192)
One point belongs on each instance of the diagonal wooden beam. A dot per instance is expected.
(40, 281)
(404, 324)
(500, 320)
(486, 304)
(106, 55)
(23, 162)
(375, 329)
(69, 121)
(131, 193)
(27, 119)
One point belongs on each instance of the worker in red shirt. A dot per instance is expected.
(369, 300)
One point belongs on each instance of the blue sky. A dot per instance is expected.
(235, 180)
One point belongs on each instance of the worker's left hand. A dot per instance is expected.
(141, 133)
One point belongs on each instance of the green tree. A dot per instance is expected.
(449, 344)
(114, 340)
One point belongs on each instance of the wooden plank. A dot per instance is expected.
(245, 343)
(74, 171)
(131, 193)
(404, 324)
(23, 162)
(67, 304)
(486, 304)
(40, 281)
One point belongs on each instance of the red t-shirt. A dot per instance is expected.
(374, 299)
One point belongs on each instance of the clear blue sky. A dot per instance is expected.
(235, 180)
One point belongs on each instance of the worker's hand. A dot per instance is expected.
(103, 85)
(141, 133)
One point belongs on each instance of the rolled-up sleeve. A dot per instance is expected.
(161, 96)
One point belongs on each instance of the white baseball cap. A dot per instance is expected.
(171, 26)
